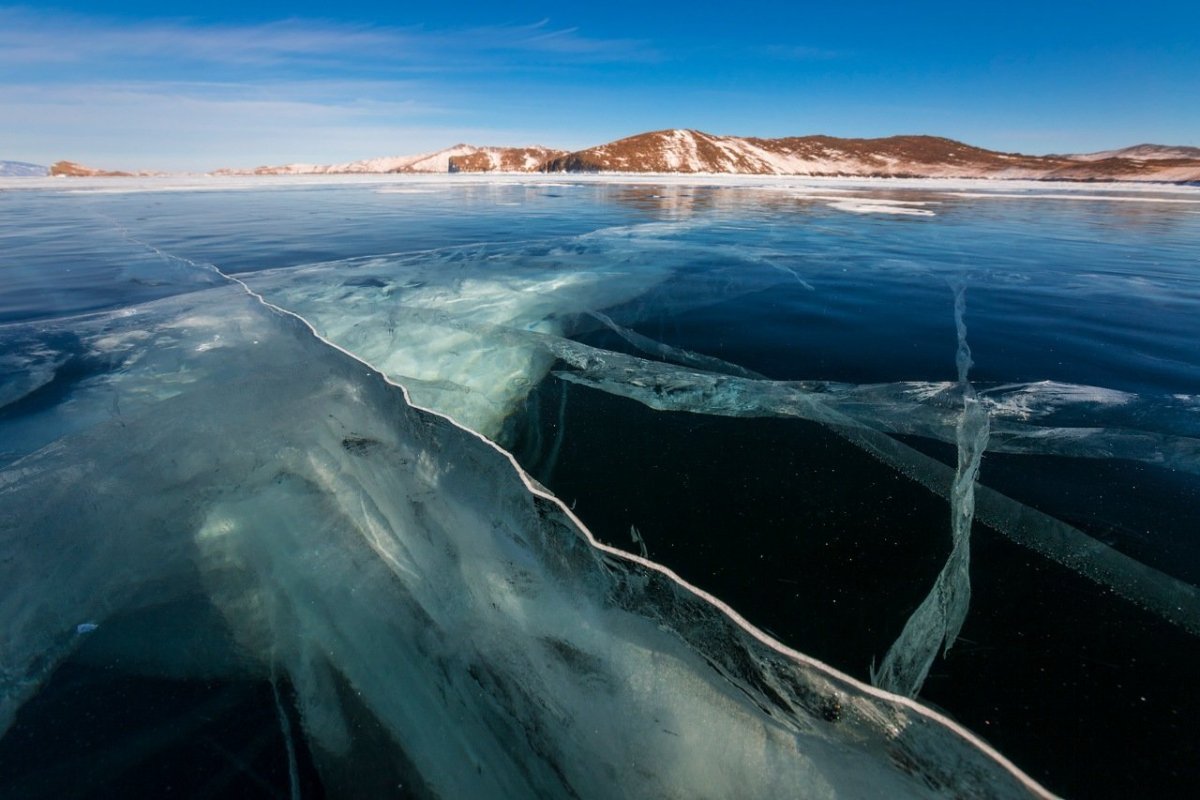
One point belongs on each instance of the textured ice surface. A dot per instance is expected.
(1044, 419)
(418, 317)
(674, 354)
(209, 453)
(382, 556)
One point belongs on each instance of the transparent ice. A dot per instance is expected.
(389, 562)
(323, 501)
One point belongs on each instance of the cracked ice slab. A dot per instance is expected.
(348, 539)
(367, 307)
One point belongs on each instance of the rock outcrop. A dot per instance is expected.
(69, 169)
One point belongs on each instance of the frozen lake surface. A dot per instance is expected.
(598, 487)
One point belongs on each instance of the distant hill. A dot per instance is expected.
(683, 151)
(69, 169)
(504, 159)
(20, 169)
(690, 151)
(459, 158)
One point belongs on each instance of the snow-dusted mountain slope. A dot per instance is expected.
(683, 151)
(504, 159)
(1143, 152)
(21, 169)
(690, 151)
(464, 157)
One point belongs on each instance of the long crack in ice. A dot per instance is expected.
(938, 619)
(669, 388)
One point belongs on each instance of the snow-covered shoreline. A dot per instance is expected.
(993, 187)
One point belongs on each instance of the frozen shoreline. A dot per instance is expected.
(227, 183)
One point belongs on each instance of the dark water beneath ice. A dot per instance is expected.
(1089, 299)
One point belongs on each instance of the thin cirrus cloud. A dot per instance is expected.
(202, 127)
(30, 38)
(287, 102)
(172, 94)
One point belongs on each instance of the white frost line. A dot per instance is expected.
(873, 207)
(875, 201)
(986, 187)
(1104, 197)
(534, 488)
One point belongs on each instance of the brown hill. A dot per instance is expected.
(679, 151)
(690, 152)
(459, 158)
(505, 159)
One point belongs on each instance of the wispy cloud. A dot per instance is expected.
(29, 37)
(167, 125)
(205, 126)
(569, 42)
(175, 93)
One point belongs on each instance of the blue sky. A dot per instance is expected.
(203, 85)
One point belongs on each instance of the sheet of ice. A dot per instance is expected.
(394, 565)
(24, 371)
(443, 323)
(985, 187)
(673, 354)
(669, 388)
(259, 542)
(365, 306)
(1039, 418)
